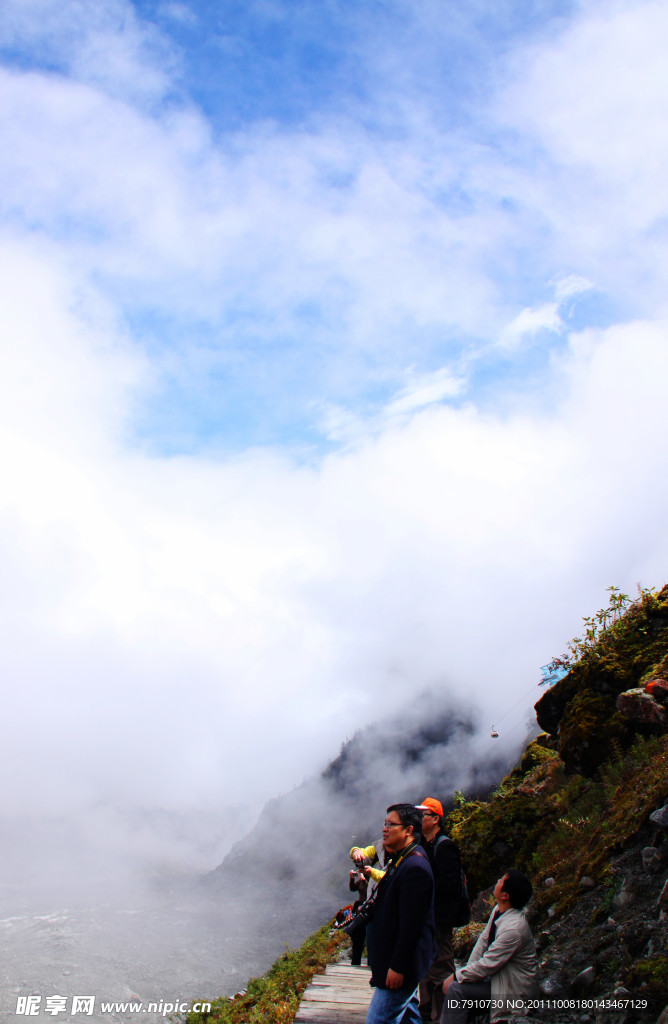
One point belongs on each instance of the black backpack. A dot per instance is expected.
(462, 914)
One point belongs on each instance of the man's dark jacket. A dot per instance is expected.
(446, 863)
(402, 927)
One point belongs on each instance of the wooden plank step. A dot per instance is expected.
(340, 1015)
(321, 985)
(341, 970)
(343, 979)
(335, 995)
(339, 996)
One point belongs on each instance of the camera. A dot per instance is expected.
(361, 918)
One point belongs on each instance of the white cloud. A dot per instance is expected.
(423, 390)
(102, 43)
(567, 287)
(251, 234)
(530, 322)
(68, 367)
(168, 620)
(598, 96)
(420, 391)
(535, 320)
(213, 605)
(586, 110)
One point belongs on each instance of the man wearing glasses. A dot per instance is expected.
(403, 921)
(446, 865)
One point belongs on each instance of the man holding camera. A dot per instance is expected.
(370, 861)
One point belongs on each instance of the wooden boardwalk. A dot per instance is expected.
(339, 996)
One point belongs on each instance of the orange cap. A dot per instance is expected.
(431, 804)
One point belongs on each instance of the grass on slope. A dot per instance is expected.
(274, 998)
(547, 823)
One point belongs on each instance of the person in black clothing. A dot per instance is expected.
(403, 922)
(358, 884)
(445, 862)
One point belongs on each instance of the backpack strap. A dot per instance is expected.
(446, 839)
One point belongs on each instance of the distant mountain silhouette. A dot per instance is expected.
(297, 853)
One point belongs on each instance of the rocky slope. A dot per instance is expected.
(585, 814)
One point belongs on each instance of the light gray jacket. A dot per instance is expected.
(510, 962)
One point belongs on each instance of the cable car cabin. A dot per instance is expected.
(494, 734)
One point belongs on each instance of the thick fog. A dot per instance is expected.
(92, 920)
(185, 638)
(429, 747)
(294, 422)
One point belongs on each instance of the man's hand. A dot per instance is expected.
(447, 983)
(366, 870)
(394, 980)
(357, 855)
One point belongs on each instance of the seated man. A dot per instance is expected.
(503, 963)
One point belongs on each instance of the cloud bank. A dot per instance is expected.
(300, 413)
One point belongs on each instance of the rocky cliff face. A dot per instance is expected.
(603, 960)
(585, 814)
(616, 690)
(612, 944)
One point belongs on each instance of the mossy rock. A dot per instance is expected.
(535, 773)
(628, 652)
(464, 939)
(659, 670)
(497, 835)
(652, 972)
(551, 706)
(536, 754)
(589, 731)
(545, 740)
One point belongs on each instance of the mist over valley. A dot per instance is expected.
(78, 924)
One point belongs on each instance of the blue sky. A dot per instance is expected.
(333, 348)
(379, 130)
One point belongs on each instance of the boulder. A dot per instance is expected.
(626, 895)
(660, 817)
(587, 731)
(551, 706)
(654, 858)
(641, 708)
(658, 689)
(584, 980)
(551, 987)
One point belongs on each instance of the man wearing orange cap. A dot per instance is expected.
(445, 862)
